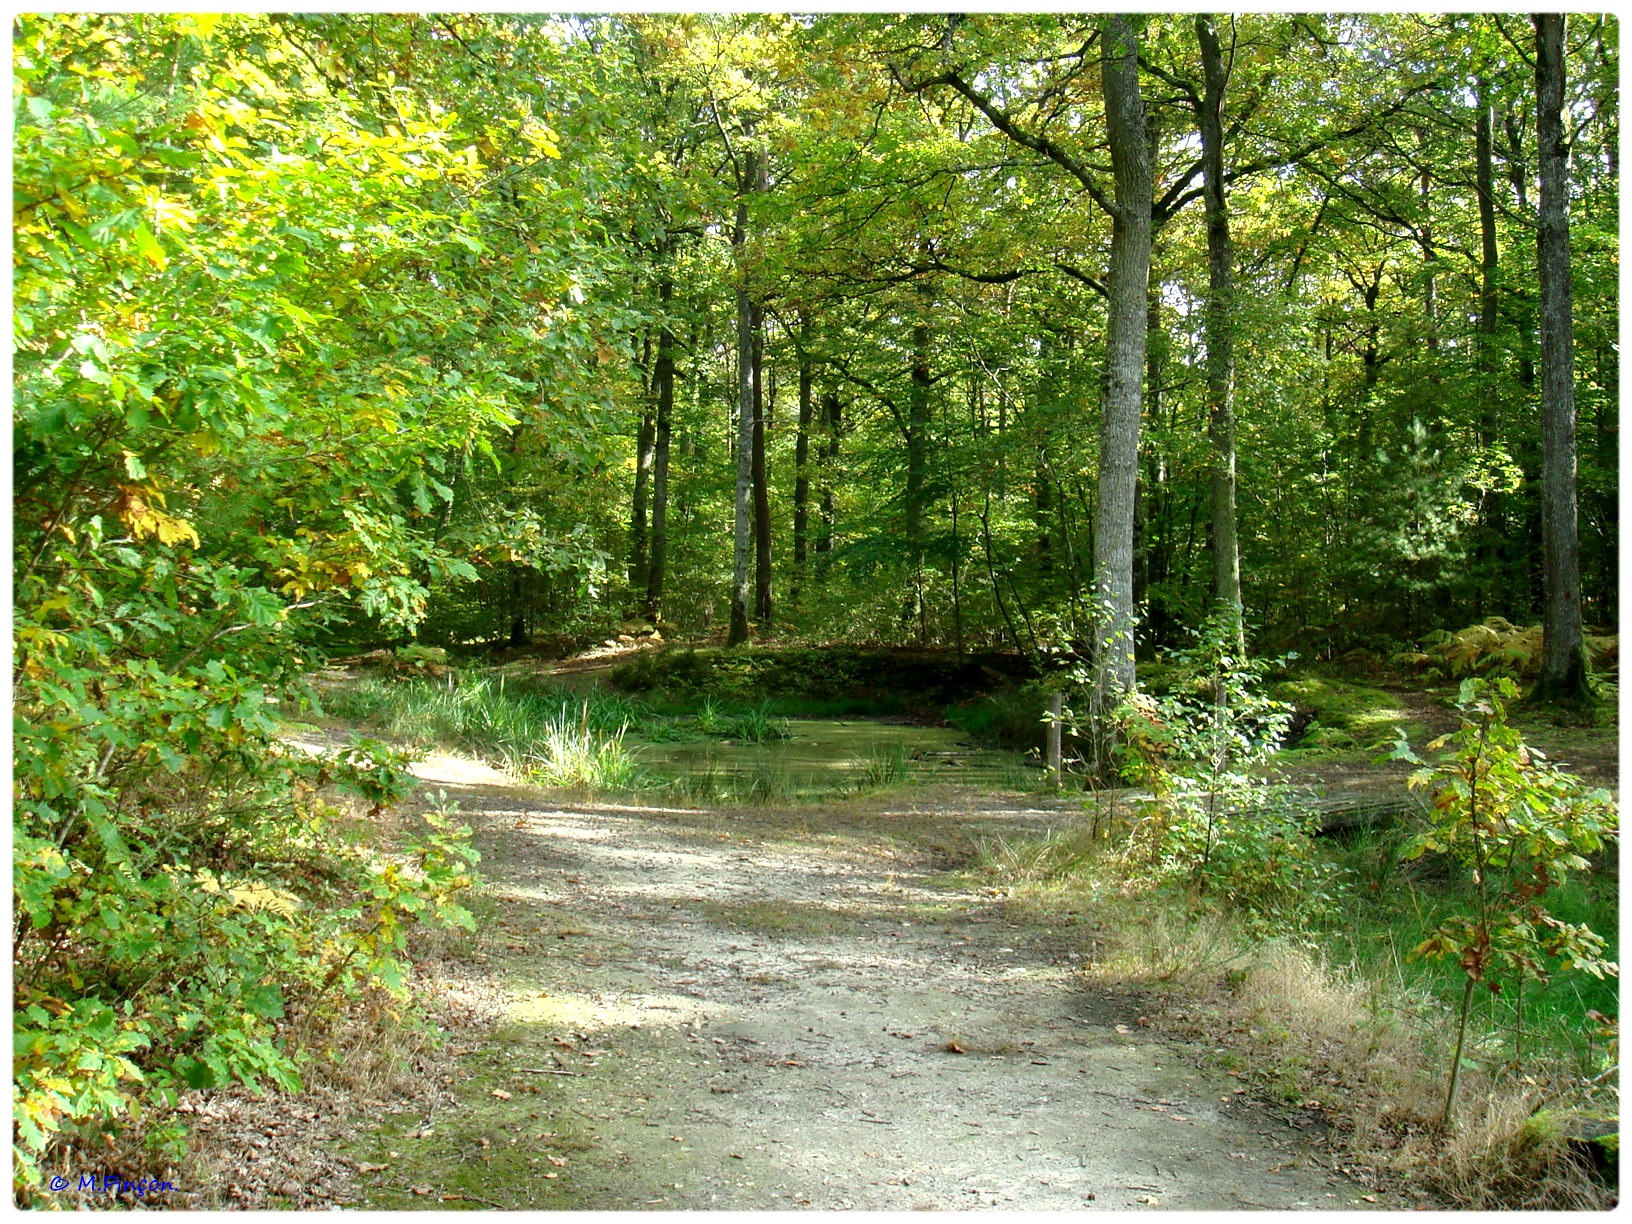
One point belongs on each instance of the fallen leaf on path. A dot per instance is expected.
(953, 1047)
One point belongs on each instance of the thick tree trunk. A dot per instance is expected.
(741, 538)
(1125, 341)
(1563, 660)
(663, 377)
(1219, 323)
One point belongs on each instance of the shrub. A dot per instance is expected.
(1519, 826)
(1221, 826)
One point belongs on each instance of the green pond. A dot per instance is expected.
(830, 754)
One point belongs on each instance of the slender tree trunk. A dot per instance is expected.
(760, 181)
(917, 438)
(832, 426)
(1219, 324)
(741, 537)
(760, 479)
(1563, 659)
(1519, 178)
(1492, 509)
(644, 438)
(663, 376)
(1128, 283)
(1048, 381)
(801, 461)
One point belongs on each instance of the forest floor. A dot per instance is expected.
(695, 1008)
(670, 1007)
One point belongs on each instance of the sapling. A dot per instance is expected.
(1519, 825)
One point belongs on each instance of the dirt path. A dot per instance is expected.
(682, 1008)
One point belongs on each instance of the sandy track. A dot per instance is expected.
(781, 1009)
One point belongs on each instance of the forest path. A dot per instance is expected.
(782, 1008)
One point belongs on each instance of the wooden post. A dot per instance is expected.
(1056, 705)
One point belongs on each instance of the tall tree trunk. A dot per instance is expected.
(801, 461)
(1563, 658)
(1492, 508)
(761, 480)
(832, 426)
(917, 438)
(741, 537)
(644, 440)
(760, 180)
(1519, 179)
(1219, 325)
(663, 377)
(1128, 283)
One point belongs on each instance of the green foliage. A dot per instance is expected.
(1519, 826)
(755, 725)
(168, 946)
(1495, 647)
(572, 755)
(1218, 827)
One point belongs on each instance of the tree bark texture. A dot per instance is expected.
(1563, 659)
(1125, 344)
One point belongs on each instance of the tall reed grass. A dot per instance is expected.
(511, 726)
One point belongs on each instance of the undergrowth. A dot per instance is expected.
(1341, 1003)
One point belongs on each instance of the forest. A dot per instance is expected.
(1086, 349)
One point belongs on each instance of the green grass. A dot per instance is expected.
(503, 722)
(1394, 904)
(506, 722)
(573, 755)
